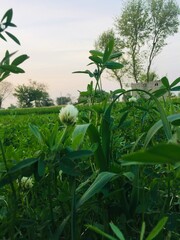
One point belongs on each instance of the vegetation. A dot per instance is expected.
(141, 32)
(103, 170)
(33, 95)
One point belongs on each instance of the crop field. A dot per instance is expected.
(112, 170)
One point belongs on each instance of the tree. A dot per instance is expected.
(164, 23)
(32, 94)
(6, 89)
(132, 27)
(143, 27)
(63, 100)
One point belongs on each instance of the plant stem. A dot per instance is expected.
(73, 212)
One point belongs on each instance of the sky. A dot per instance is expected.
(57, 36)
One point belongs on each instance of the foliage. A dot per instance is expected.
(140, 33)
(102, 60)
(100, 44)
(34, 93)
(5, 66)
(63, 100)
(111, 170)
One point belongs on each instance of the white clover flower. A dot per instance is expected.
(132, 99)
(68, 115)
(26, 182)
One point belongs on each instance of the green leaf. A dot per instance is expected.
(96, 59)
(115, 55)
(13, 37)
(78, 135)
(156, 230)
(108, 51)
(102, 179)
(79, 154)
(153, 130)
(165, 82)
(142, 231)
(8, 15)
(5, 60)
(99, 231)
(96, 53)
(12, 69)
(113, 65)
(175, 82)
(117, 232)
(41, 167)
(4, 75)
(160, 92)
(35, 130)
(159, 154)
(1, 36)
(23, 168)
(175, 88)
(99, 157)
(118, 91)
(23, 164)
(86, 72)
(19, 59)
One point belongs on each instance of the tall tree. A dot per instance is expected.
(6, 89)
(143, 27)
(164, 23)
(132, 26)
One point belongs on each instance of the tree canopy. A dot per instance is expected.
(34, 94)
(141, 32)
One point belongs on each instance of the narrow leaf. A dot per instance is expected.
(115, 55)
(19, 59)
(102, 179)
(156, 230)
(35, 130)
(8, 15)
(1, 36)
(13, 37)
(12, 68)
(78, 135)
(86, 72)
(99, 231)
(175, 82)
(108, 51)
(113, 65)
(117, 232)
(153, 130)
(159, 154)
(96, 59)
(142, 231)
(96, 53)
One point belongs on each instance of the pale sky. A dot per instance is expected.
(57, 36)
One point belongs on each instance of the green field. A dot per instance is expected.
(92, 178)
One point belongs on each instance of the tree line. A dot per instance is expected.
(33, 94)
